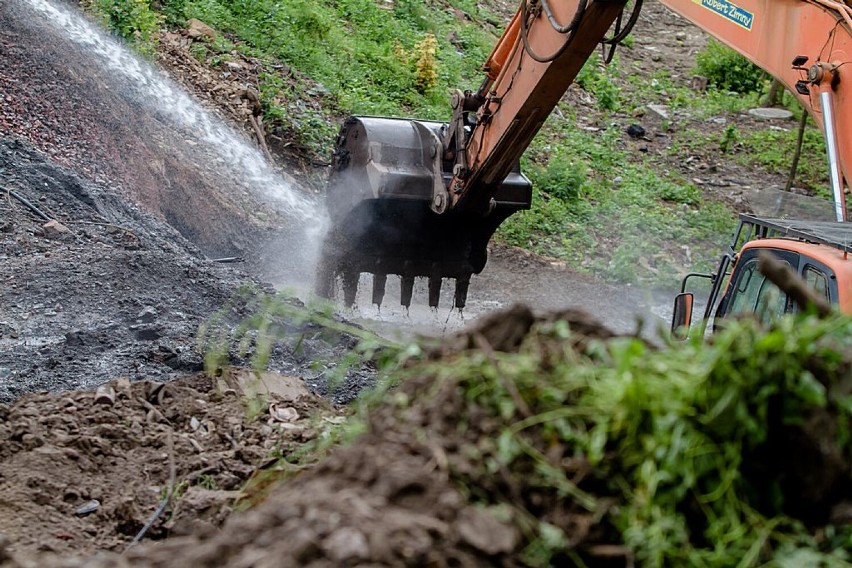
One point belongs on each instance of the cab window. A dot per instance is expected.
(755, 294)
(816, 281)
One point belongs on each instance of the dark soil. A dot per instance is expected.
(58, 452)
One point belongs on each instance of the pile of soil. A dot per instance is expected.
(84, 471)
(390, 498)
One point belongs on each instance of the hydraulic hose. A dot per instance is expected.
(578, 16)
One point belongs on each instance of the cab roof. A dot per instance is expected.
(831, 233)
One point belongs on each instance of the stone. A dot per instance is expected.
(481, 530)
(698, 83)
(146, 332)
(346, 545)
(75, 338)
(105, 394)
(771, 113)
(659, 110)
(147, 315)
(53, 229)
(87, 508)
(282, 387)
(635, 131)
(196, 29)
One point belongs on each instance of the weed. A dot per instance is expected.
(133, 20)
(207, 481)
(773, 150)
(726, 69)
(427, 75)
(729, 138)
(600, 80)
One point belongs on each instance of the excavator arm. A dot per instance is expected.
(422, 199)
(538, 57)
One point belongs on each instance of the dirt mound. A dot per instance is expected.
(60, 452)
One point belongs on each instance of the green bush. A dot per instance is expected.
(134, 20)
(560, 178)
(728, 70)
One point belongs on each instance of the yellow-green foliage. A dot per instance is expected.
(427, 64)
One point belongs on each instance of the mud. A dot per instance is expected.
(195, 436)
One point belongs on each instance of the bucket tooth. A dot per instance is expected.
(435, 286)
(462, 285)
(379, 281)
(350, 287)
(406, 290)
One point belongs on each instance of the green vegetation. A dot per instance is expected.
(364, 54)
(728, 70)
(773, 149)
(603, 210)
(667, 436)
(133, 20)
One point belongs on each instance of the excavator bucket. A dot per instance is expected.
(388, 176)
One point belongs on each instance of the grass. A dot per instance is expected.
(606, 212)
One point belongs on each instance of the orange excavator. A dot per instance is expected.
(417, 198)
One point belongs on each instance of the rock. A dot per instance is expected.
(771, 113)
(53, 229)
(105, 395)
(75, 338)
(698, 83)
(286, 414)
(481, 530)
(146, 332)
(147, 315)
(196, 29)
(635, 131)
(283, 387)
(346, 545)
(87, 508)
(680, 36)
(659, 110)
(122, 387)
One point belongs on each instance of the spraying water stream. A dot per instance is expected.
(162, 96)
